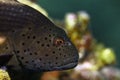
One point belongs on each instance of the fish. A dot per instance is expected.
(32, 42)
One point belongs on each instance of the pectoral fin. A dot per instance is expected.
(4, 59)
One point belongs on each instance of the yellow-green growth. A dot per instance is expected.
(4, 75)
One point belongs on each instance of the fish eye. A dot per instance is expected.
(58, 41)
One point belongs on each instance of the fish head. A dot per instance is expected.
(45, 48)
(58, 52)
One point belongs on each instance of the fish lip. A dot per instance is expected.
(67, 66)
(58, 68)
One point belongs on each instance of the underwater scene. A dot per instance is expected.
(59, 40)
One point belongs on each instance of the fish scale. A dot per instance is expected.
(34, 42)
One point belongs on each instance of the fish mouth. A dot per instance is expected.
(65, 67)
(68, 64)
(58, 68)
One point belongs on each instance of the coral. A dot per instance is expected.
(4, 75)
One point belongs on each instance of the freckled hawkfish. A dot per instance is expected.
(31, 41)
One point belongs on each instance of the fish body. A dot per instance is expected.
(32, 41)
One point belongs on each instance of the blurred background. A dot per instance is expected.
(105, 18)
